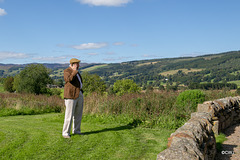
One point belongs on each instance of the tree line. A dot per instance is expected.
(34, 78)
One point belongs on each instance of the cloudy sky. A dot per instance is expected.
(111, 31)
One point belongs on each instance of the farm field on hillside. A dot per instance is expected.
(94, 67)
(171, 72)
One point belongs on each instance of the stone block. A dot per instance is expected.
(211, 145)
(181, 149)
(221, 118)
(228, 122)
(217, 106)
(208, 102)
(176, 154)
(215, 127)
(201, 115)
(207, 108)
(222, 126)
(215, 118)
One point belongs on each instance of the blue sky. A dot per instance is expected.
(112, 31)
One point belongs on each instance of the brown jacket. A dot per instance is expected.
(72, 84)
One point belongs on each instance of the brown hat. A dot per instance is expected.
(74, 60)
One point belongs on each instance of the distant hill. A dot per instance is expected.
(48, 65)
(13, 69)
(218, 68)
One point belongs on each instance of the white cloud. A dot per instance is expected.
(134, 45)
(2, 12)
(115, 3)
(13, 55)
(52, 59)
(118, 43)
(61, 45)
(90, 46)
(109, 59)
(110, 53)
(92, 54)
(150, 56)
(118, 59)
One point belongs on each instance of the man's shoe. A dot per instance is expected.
(67, 136)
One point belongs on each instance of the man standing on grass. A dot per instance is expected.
(73, 97)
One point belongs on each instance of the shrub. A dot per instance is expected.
(238, 91)
(121, 87)
(149, 88)
(190, 98)
(55, 91)
(8, 84)
(161, 87)
(92, 83)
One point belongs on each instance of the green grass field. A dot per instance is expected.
(39, 137)
(93, 68)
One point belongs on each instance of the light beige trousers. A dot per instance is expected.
(73, 115)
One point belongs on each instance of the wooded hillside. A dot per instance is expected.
(224, 67)
(188, 71)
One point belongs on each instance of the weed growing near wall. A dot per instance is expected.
(219, 141)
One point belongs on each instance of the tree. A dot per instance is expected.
(121, 87)
(59, 83)
(149, 88)
(1, 72)
(190, 98)
(33, 79)
(2, 80)
(8, 84)
(92, 83)
(161, 87)
(171, 87)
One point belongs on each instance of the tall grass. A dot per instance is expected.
(144, 108)
(26, 104)
(150, 109)
(217, 94)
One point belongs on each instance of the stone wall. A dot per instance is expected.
(195, 139)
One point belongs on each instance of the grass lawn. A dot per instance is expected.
(39, 137)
